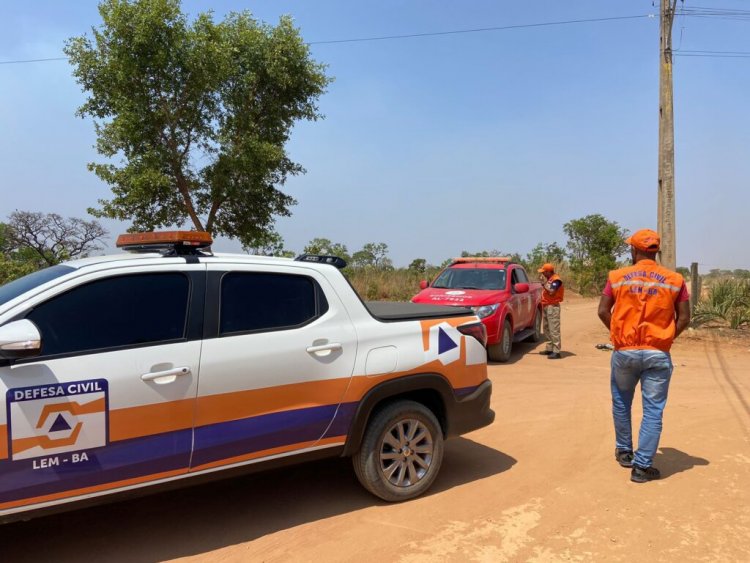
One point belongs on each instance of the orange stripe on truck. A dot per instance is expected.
(134, 422)
(224, 407)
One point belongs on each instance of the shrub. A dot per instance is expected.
(727, 301)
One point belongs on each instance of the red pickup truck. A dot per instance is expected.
(498, 291)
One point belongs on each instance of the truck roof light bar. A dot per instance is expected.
(169, 243)
(339, 263)
(489, 259)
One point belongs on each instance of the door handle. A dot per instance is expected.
(324, 349)
(172, 374)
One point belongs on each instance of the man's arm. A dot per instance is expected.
(605, 309)
(552, 287)
(682, 313)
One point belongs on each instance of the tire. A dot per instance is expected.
(500, 351)
(537, 336)
(381, 464)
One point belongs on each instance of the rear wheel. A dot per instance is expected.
(537, 336)
(401, 452)
(500, 352)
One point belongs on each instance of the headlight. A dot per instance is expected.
(485, 310)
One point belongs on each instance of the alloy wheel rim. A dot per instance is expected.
(506, 341)
(406, 453)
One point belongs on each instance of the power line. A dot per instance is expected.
(479, 30)
(692, 51)
(712, 56)
(417, 35)
(33, 61)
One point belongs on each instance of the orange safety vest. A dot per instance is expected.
(553, 298)
(644, 313)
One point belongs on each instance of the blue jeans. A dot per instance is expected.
(654, 370)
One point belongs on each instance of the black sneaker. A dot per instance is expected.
(642, 474)
(554, 356)
(546, 352)
(624, 457)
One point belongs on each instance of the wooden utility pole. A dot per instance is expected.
(665, 206)
(695, 287)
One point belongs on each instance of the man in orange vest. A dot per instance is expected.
(645, 307)
(552, 295)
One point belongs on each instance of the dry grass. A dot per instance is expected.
(387, 285)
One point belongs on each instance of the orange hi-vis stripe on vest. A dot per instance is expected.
(644, 313)
(556, 297)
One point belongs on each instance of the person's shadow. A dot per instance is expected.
(671, 461)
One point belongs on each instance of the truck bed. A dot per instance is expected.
(390, 311)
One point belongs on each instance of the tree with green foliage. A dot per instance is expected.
(12, 264)
(594, 244)
(270, 244)
(418, 265)
(46, 239)
(543, 253)
(193, 115)
(327, 248)
(373, 255)
(30, 241)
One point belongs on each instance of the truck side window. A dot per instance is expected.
(115, 312)
(254, 302)
(522, 277)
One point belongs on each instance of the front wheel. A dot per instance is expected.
(500, 352)
(537, 336)
(401, 452)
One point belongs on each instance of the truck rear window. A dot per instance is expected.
(473, 278)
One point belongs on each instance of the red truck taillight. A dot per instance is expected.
(477, 330)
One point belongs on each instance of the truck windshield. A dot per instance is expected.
(15, 288)
(474, 278)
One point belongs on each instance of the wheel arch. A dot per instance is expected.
(509, 317)
(429, 389)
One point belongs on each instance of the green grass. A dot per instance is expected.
(727, 301)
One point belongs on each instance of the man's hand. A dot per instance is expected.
(682, 314)
(605, 309)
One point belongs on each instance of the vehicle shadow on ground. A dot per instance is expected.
(203, 518)
(670, 461)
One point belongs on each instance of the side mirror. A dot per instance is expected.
(424, 284)
(19, 339)
(521, 288)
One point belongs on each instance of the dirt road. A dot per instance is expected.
(540, 484)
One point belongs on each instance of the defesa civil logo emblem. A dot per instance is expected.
(56, 419)
(444, 344)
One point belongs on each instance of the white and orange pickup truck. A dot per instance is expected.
(170, 365)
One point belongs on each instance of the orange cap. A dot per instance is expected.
(546, 268)
(645, 240)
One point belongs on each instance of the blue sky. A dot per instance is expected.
(434, 145)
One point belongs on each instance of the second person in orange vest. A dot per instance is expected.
(552, 295)
(645, 307)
